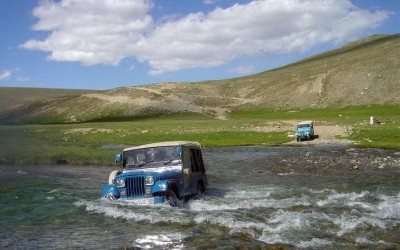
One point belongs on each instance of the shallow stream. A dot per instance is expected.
(298, 198)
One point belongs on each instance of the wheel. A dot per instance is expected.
(112, 176)
(173, 198)
(200, 189)
(110, 196)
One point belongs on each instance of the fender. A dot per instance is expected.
(160, 186)
(110, 191)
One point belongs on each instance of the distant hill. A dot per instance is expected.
(14, 97)
(14, 100)
(361, 73)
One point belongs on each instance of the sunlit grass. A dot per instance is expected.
(90, 143)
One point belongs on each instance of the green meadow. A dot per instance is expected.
(96, 143)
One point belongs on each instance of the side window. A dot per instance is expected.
(201, 164)
(196, 161)
(193, 160)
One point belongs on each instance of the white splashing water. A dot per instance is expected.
(306, 218)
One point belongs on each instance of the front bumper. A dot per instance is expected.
(303, 136)
(145, 201)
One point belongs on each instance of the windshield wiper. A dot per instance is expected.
(144, 163)
(173, 161)
(168, 162)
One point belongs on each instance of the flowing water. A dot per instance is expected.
(294, 198)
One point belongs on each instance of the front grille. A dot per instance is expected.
(134, 186)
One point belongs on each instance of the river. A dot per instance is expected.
(321, 197)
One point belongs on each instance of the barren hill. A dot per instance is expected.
(361, 73)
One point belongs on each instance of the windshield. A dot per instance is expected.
(304, 126)
(152, 157)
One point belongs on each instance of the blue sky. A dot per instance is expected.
(105, 44)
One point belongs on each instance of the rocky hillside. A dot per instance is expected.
(361, 73)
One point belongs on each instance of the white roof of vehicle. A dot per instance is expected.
(305, 122)
(166, 144)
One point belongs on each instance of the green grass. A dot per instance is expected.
(378, 136)
(386, 134)
(84, 143)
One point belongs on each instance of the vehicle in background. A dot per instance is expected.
(304, 131)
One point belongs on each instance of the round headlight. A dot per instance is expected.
(120, 183)
(149, 181)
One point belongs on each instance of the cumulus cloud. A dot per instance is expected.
(5, 74)
(93, 32)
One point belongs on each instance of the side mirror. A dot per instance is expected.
(118, 158)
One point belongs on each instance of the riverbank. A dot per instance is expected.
(89, 143)
(320, 159)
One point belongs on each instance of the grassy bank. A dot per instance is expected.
(385, 134)
(96, 143)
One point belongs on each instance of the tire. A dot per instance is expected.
(173, 198)
(112, 176)
(200, 189)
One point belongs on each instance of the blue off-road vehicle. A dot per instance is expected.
(157, 173)
(304, 131)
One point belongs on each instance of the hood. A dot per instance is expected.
(160, 173)
(304, 129)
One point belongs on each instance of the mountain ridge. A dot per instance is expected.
(363, 72)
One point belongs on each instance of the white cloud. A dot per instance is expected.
(5, 74)
(23, 79)
(93, 32)
(209, 1)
